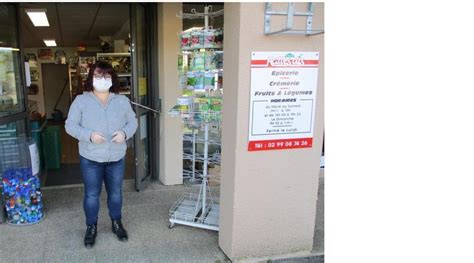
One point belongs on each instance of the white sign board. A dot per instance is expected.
(282, 100)
(35, 161)
(27, 74)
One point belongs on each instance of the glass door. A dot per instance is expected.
(13, 100)
(143, 26)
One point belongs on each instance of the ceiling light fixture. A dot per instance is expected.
(38, 17)
(9, 49)
(50, 42)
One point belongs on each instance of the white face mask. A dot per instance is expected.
(102, 85)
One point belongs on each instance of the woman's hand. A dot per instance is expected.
(97, 137)
(118, 136)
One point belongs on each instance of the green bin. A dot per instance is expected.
(52, 147)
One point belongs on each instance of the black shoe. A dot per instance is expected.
(91, 234)
(118, 230)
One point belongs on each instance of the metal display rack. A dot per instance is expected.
(202, 209)
(199, 209)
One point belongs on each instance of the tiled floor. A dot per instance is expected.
(70, 173)
(59, 238)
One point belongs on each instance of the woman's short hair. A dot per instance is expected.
(103, 68)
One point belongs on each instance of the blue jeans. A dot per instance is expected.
(94, 174)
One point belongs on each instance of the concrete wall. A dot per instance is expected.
(53, 78)
(39, 98)
(171, 145)
(268, 198)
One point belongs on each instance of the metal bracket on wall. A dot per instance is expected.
(290, 13)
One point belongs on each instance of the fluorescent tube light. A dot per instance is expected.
(9, 48)
(38, 17)
(49, 42)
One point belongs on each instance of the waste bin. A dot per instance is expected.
(19, 166)
(7, 131)
(52, 147)
(2, 208)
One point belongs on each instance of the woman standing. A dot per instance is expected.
(102, 121)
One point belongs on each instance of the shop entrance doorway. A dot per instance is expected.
(123, 35)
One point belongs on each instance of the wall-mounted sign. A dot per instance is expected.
(282, 100)
(27, 74)
(45, 54)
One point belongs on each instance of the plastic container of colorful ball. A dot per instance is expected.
(20, 170)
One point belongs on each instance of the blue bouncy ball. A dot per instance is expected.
(23, 199)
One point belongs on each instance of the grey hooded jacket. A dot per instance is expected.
(87, 115)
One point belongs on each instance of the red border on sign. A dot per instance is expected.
(281, 144)
(264, 63)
